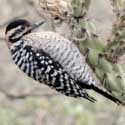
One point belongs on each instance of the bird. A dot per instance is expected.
(49, 58)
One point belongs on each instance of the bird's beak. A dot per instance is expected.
(37, 24)
(34, 26)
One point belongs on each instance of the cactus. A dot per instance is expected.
(116, 42)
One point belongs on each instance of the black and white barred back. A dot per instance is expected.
(52, 59)
(62, 51)
(38, 65)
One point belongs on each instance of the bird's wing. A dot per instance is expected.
(55, 76)
(63, 51)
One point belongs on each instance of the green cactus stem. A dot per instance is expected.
(116, 43)
(108, 73)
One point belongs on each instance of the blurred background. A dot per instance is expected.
(25, 102)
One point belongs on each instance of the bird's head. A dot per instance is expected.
(18, 28)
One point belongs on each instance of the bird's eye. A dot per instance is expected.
(22, 27)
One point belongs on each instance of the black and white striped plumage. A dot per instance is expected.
(52, 59)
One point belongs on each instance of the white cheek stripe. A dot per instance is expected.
(9, 33)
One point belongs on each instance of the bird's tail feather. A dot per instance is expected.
(100, 91)
(105, 94)
(90, 98)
